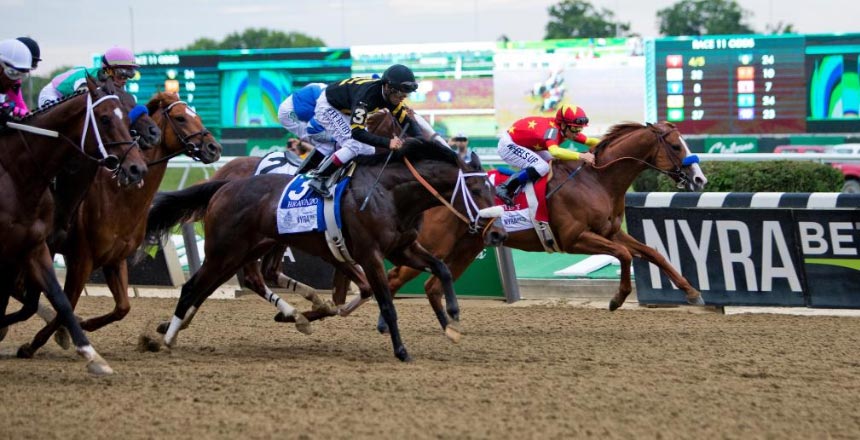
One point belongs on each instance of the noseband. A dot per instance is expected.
(192, 149)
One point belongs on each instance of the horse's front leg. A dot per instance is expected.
(40, 275)
(116, 277)
(591, 243)
(417, 257)
(375, 273)
(640, 249)
(78, 270)
(254, 281)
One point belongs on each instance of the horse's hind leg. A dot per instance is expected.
(592, 244)
(41, 274)
(639, 249)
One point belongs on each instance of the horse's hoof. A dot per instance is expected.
(99, 367)
(452, 331)
(382, 328)
(3, 332)
(280, 317)
(146, 343)
(302, 324)
(614, 305)
(403, 355)
(62, 338)
(162, 328)
(697, 301)
(326, 307)
(25, 352)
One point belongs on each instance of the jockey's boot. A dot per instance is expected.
(320, 176)
(312, 160)
(508, 190)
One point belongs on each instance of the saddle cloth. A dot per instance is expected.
(301, 209)
(517, 217)
(278, 162)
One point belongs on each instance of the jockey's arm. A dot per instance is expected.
(589, 142)
(358, 127)
(563, 153)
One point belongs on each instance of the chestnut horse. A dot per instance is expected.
(28, 162)
(240, 226)
(586, 210)
(96, 240)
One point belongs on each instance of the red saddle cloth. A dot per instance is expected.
(520, 202)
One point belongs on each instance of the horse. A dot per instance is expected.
(586, 210)
(28, 162)
(98, 241)
(240, 227)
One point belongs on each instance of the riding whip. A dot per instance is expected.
(34, 130)
(390, 152)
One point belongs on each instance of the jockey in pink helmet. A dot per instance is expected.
(15, 64)
(117, 64)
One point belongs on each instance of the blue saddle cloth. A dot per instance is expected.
(301, 209)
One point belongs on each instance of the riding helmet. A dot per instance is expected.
(400, 77)
(119, 57)
(571, 115)
(34, 49)
(16, 54)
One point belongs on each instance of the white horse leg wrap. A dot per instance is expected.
(87, 352)
(170, 334)
(282, 305)
(356, 302)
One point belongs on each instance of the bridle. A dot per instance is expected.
(474, 213)
(675, 173)
(190, 148)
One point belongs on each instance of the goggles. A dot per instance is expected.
(123, 72)
(581, 121)
(460, 139)
(405, 87)
(13, 73)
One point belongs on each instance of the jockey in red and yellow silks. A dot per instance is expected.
(531, 142)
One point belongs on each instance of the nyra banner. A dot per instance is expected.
(750, 248)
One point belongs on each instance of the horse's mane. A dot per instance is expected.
(616, 132)
(160, 100)
(53, 104)
(415, 150)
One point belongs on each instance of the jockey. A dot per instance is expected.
(16, 62)
(296, 114)
(343, 108)
(117, 64)
(531, 142)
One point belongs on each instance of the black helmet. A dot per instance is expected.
(401, 78)
(34, 49)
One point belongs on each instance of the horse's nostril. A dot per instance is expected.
(212, 148)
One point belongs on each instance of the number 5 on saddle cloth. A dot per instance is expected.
(303, 210)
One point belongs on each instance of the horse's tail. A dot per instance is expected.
(173, 207)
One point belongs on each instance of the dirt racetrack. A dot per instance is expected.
(521, 371)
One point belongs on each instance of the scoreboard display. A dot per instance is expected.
(754, 84)
(237, 88)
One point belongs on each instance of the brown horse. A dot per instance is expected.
(587, 210)
(240, 226)
(102, 241)
(27, 164)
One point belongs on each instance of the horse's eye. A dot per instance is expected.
(180, 118)
(104, 119)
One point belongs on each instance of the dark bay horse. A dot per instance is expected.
(92, 121)
(102, 241)
(240, 226)
(587, 210)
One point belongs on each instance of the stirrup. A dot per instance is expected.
(319, 185)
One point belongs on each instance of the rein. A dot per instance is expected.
(190, 148)
(471, 207)
(674, 173)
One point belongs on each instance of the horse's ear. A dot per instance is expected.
(91, 83)
(648, 124)
(475, 160)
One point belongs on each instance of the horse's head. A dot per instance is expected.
(110, 139)
(182, 128)
(461, 187)
(142, 126)
(675, 158)
(659, 146)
